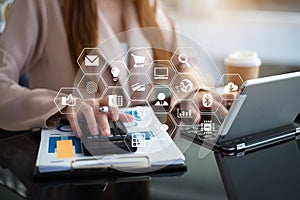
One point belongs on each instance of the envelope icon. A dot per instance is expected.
(91, 61)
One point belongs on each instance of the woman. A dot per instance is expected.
(45, 39)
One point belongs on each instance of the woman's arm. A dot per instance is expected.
(21, 45)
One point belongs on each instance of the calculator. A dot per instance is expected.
(119, 142)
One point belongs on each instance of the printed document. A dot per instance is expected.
(60, 150)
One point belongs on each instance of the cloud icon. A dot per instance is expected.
(231, 87)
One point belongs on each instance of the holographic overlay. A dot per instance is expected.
(157, 84)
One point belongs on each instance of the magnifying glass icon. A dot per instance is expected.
(183, 59)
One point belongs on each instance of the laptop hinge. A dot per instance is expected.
(297, 130)
(240, 146)
(297, 133)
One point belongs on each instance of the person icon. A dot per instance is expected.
(161, 100)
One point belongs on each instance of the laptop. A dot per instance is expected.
(263, 114)
(269, 173)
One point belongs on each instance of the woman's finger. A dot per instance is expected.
(103, 123)
(222, 110)
(230, 96)
(89, 115)
(73, 120)
(228, 99)
(113, 112)
(125, 117)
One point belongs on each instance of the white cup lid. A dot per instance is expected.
(243, 59)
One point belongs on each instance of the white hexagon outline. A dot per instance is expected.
(206, 150)
(151, 87)
(202, 146)
(210, 112)
(107, 65)
(148, 146)
(182, 47)
(133, 49)
(194, 122)
(222, 77)
(174, 123)
(143, 101)
(171, 65)
(117, 87)
(90, 74)
(100, 53)
(67, 88)
(161, 86)
(218, 121)
(198, 84)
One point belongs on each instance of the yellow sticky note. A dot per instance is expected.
(64, 149)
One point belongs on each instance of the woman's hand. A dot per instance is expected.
(228, 99)
(220, 104)
(96, 121)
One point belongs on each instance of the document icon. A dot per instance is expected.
(91, 61)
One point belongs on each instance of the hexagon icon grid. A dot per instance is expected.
(68, 96)
(185, 59)
(91, 60)
(115, 74)
(208, 132)
(142, 140)
(167, 123)
(184, 86)
(138, 87)
(162, 72)
(139, 110)
(91, 86)
(185, 113)
(121, 96)
(230, 83)
(138, 60)
(208, 127)
(160, 99)
(208, 100)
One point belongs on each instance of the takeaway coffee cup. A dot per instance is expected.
(244, 63)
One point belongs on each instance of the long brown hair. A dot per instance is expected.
(81, 23)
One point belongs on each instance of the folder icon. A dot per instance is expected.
(91, 61)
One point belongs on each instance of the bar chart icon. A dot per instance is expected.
(184, 114)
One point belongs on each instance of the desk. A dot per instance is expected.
(18, 155)
(259, 175)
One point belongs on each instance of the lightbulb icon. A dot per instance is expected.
(115, 71)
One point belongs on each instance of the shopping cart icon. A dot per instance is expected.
(139, 61)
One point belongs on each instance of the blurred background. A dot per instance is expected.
(270, 27)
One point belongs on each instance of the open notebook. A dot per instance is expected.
(61, 151)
